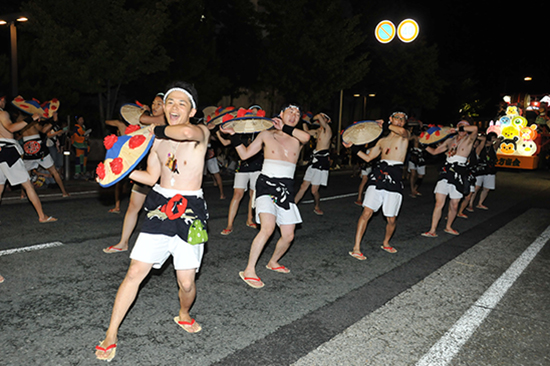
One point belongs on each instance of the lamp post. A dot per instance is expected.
(11, 19)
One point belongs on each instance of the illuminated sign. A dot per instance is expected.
(407, 31)
(385, 31)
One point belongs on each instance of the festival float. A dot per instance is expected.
(518, 147)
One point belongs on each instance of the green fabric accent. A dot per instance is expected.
(197, 233)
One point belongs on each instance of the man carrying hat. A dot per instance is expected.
(12, 167)
(317, 172)
(453, 176)
(274, 187)
(175, 223)
(384, 186)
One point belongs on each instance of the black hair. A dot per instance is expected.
(490, 135)
(285, 106)
(187, 87)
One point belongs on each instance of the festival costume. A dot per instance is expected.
(175, 225)
(275, 192)
(36, 153)
(385, 188)
(317, 171)
(486, 170)
(248, 171)
(453, 178)
(78, 140)
(12, 167)
(417, 161)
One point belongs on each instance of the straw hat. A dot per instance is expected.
(434, 134)
(217, 117)
(245, 121)
(362, 132)
(123, 154)
(131, 113)
(29, 106)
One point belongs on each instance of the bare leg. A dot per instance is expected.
(130, 219)
(218, 179)
(238, 194)
(267, 222)
(412, 182)
(35, 200)
(187, 293)
(465, 202)
(303, 188)
(390, 229)
(453, 207)
(364, 179)
(471, 203)
(361, 228)
(125, 296)
(316, 198)
(438, 208)
(250, 217)
(58, 180)
(287, 236)
(483, 196)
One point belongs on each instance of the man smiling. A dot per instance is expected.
(176, 212)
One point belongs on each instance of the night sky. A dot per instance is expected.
(501, 44)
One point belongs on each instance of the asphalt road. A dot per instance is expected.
(421, 305)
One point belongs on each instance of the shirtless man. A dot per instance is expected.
(139, 191)
(177, 214)
(274, 187)
(453, 175)
(12, 167)
(384, 187)
(317, 172)
(37, 154)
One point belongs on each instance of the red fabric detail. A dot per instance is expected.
(175, 208)
(116, 166)
(109, 141)
(136, 141)
(131, 128)
(100, 170)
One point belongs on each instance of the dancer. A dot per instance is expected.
(37, 154)
(12, 167)
(366, 169)
(417, 163)
(245, 177)
(139, 190)
(453, 175)
(79, 140)
(177, 158)
(384, 187)
(274, 187)
(486, 174)
(317, 172)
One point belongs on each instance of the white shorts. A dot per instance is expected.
(46, 162)
(389, 201)
(156, 248)
(445, 188)
(317, 177)
(265, 204)
(246, 180)
(366, 172)
(212, 166)
(420, 170)
(486, 181)
(16, 174)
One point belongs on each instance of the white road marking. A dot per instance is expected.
(31, 248)
(450, 344)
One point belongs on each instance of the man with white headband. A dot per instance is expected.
(384, 185)
(274, 187)
(318, 169)
(176, 216)
(453, 176)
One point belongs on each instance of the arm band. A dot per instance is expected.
(460, 128)
(288, 130)
(159, 132)
(28, 119)
(386, 126)
(235, 140)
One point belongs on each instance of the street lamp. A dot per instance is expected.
(12, 19)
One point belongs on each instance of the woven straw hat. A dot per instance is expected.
(362, 132)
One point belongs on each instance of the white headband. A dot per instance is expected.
(181, 90)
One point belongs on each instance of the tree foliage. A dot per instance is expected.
(94, 46)
(312, 49)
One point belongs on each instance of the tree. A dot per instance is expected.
(313, 49)
(94, 46)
